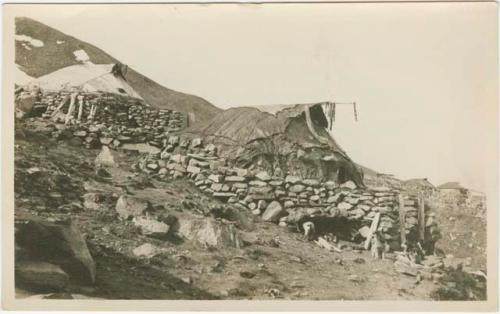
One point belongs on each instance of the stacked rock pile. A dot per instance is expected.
(121, 119)
(278, 198)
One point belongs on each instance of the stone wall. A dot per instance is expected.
(112, 118)
(282, 198)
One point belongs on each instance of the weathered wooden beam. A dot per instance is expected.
(69, 115)
(421, 218)
(80, 108)
(402, 219)
(373, 229)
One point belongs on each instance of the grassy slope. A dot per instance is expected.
(40, 61)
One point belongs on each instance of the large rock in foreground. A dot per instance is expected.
(59, 243)
(41, 277)
(210, 232)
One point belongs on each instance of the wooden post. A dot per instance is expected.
(69, 115)
(65, 99)
(421, 218)
(402, 220)
(373, 229)
(80, 108)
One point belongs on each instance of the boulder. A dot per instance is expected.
(105, 158)
(40, 276)
(59, 243)
(273, 212)
(129, 206)
(152, 227)
(209, 232)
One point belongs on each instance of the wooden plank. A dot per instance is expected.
(402, 219)
(421, 218)
(373, 228)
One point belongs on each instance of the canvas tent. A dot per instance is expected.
(87, 77)
(290, 139)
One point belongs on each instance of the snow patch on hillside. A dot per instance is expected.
(59, 42)
(81, 56)
(21, 78)
(27, 39)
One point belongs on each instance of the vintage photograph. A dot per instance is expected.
(328, 151)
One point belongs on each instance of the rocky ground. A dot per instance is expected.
(236, 255)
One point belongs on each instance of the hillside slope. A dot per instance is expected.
(50, 50)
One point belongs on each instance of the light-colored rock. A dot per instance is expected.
(193, 169)
(311, 182)
(297, 188)
(235, 179)
(292, 179)
(273, 212)
(209, 232)
(105, 158)
(217, 178)
(152, 227)
(364, 231)
(330, 185)
(263, 176)
(146, 250)
(91, 201)
(349, 185)
(129, 206)
(257, 183)
(344, 206)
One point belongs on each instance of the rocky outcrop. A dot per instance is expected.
(209, 232)
(129, 206)
(40, 276)
(58, 243)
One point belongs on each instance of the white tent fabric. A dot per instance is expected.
(89, 77)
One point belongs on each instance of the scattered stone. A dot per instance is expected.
(145, 250)
(152, 227)
(129, 206)
(105, 158)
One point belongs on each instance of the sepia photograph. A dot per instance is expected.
(251, 152)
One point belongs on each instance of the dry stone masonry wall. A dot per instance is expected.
(284, 199)
(108, 119)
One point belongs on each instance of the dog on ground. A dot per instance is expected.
(379, 246)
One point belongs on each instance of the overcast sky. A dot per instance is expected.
(423, 75)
